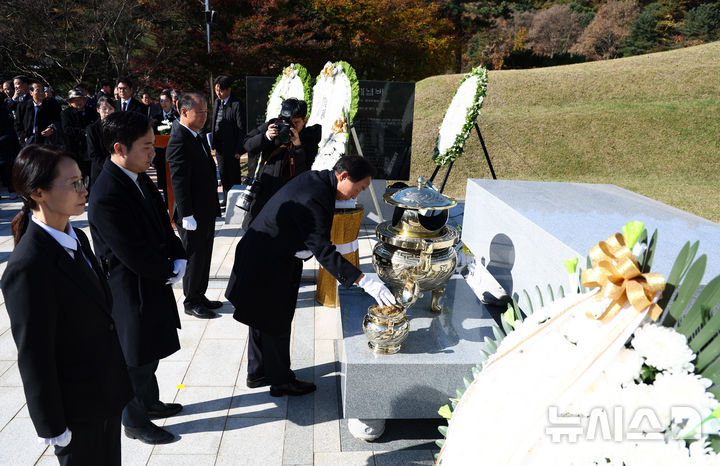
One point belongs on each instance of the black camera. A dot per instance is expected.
(247, 195)
(284, 123)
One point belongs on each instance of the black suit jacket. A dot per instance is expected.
(193, 176)
(137, 246)
(228, 136)
(158, 118)
(48, 114)
(68, 351)
(262, 286)
(74, 125)
(96, 150)
(134, 105)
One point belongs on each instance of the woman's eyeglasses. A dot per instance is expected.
(81, 184)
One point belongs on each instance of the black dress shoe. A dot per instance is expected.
(201, 312)
(151, 434)
(255, 381)
(295, 388)
(211, 304)
(160, 410)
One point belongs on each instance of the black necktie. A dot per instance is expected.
(200, 141)
(80, 259)
(219, 116)
(124, 106)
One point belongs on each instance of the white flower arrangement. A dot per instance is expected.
(294, 81)
(461, 116)
(164, 127)
(335, 97)
(566, 387)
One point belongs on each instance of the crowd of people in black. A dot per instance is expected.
(92, 327)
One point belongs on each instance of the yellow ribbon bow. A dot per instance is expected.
(616, 271)
(328, 71)
(340, 126)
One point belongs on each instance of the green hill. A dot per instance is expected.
(650, 124)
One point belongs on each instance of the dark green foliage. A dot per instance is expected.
(702, 23)
(523, 59)
(643, 37)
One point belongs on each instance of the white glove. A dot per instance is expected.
(377, 290)
(304, 254)
(179, 266)
(189, 223)
(61, 440)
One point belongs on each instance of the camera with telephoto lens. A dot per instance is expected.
(247, 195)
(284, 123)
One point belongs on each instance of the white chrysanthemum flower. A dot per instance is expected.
(663, 348)
(625, 367)
(682, 390)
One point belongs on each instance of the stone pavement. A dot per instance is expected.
(223, 422)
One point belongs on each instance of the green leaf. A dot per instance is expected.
(443, 430)
(498, 334)
(507, 328)
(649, 254)
(561, 292)
(571, 265)
(492, 346)
(631, 232)
(467, 382)
(539, 293)
(509, 316)
(445, 412)
(712, 372)
(688, 287)
(710, 328)
(529, 301)
(682, 262)
(440, 443)
(709, 354)
(709, 297)
(552, 295)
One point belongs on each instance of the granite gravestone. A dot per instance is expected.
(383, 121)
(522, 231)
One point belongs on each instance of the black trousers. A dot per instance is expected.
(229, 168)
(198, 246)
(158, 162)
(93, 443)
(269, 355)
(145, 386)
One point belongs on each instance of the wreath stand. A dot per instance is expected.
(344, 233)
(447, 173)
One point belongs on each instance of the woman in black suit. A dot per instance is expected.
(69, 357)
(97, 152)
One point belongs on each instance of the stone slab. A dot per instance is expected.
(523, 230)
(233, 213)
(440, 350)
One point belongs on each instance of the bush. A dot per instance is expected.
(602, 38)
(643, 37)
(554, 31)
(702, 23)
(523, 59)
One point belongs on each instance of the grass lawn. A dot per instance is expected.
(650, 124)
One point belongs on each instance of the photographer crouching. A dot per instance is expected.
(284, 147)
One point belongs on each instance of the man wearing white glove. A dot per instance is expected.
(377, 290)
(194, 182)
(265, 278)
(142, 256)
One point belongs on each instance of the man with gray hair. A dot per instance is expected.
(194, 183)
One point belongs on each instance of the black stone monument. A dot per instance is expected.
(383, 121)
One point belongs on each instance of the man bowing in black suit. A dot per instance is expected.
(194, 182)
(138, 248)
(228, 130)
(295, 224)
